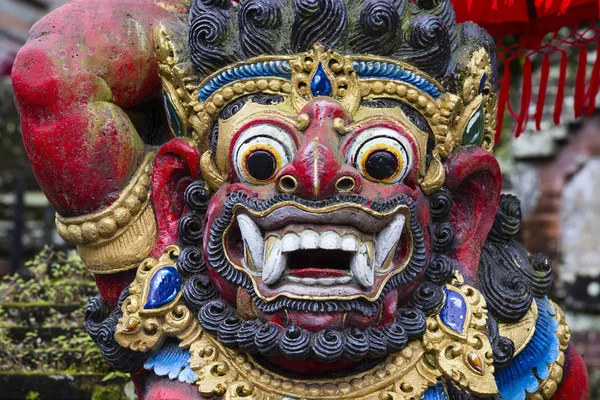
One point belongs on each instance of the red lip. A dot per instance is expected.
(317, 273)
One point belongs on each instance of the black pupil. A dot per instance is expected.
(381, 165)
(261, 165)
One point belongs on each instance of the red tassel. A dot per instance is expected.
(594, 86)
(580, 82)
(541, 100)
(503, 99)
(525, 98)
(564, 5)
(560, 94)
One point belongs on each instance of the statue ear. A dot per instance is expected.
(176, 165)
(474, 179)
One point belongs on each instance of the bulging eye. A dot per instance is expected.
(381, 155)
(260, 152)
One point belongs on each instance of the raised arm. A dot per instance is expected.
(85, 65)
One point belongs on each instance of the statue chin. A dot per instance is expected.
(291, 200)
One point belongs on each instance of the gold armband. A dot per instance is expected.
(120, 236)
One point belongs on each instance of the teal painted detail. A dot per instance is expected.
(172, 116)
(265, 69)
(172, 361)
(521, 375)
(384, 70)
(473, 133)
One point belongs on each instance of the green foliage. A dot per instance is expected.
(33, 396)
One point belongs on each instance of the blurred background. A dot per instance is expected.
(553, 168)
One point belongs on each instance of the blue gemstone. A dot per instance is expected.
(482, 83)
(164, 286)
(321, 85)
(454, 312)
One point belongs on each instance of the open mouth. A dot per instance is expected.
(342, 251)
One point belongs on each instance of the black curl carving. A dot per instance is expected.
(212, 314)
(198, 290)
(223, 4)
(440, 205)
(328, 345)
(428, 298)
(431, 47)
(101, 325)
(197, 195)
(295, 343)
(539, 272)
(246, 335)
(378, 28)
(508, 219)
(377, 343)
(428, 4)
(209, 24)
(228, 330)
(396, 337)
(267, 338)
(443, 237)
(413, 321)
(503, 348)
(191, 229)
(258, 22)
(507, 290)
(440, 269)
(356, 344)
(322, 21)
(190, 261)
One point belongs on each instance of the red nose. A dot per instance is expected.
(319, 169)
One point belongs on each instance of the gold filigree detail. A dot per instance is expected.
(142, 329)
(339, 71)
(521, 331)
(473, 96)
(466, 357)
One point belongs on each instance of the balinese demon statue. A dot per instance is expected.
(291, 199)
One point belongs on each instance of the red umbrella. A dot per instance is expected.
(537, 24)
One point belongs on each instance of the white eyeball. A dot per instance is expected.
(381, 155)
(260, 152)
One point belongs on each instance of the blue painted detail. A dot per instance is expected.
(164, 286)
(172, 360)
(521, 375)
(436, 393)
(265, 69)
(454, 312)
(482, 83)
(320, 84)
(172, 117)
(377, 69)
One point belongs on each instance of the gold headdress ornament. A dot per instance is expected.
(456, 119)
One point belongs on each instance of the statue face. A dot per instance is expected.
(322, 226)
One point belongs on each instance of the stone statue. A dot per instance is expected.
(291, 199)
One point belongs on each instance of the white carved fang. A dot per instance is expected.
(253, 240)
(275, 261)
(387, 239)
(362, 267)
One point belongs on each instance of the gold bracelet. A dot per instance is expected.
(120, 236)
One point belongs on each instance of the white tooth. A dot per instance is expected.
(309, 240)
(362, 267)
(290, 242)
(294, 279)
(253, 239)
(275, 261)
(327, 281)
(309, 281)
(388, 238)
(344, 279)
(350, 243)
(330, 241)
